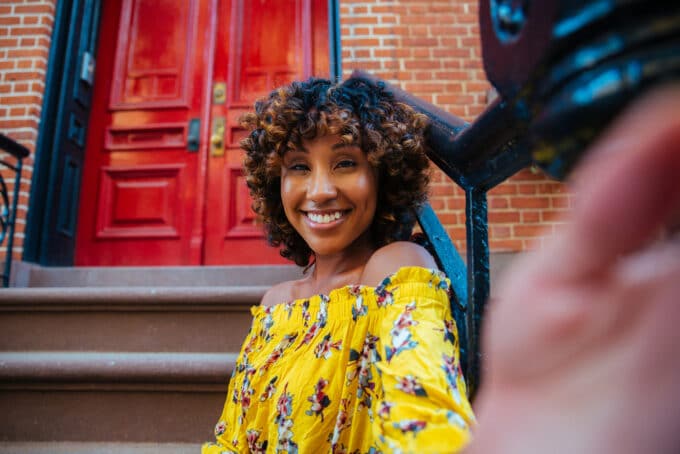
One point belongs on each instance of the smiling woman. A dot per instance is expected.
(361, 354)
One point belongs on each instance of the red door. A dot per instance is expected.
(162, 183)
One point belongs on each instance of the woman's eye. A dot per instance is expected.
(346, 163)
(298, 167)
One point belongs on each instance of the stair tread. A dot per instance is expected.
(69, 447)
(66, 366)
(251, 294)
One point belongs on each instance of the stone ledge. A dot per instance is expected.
(69, 447)
(129, 298)
(21, 370)
(25, 274)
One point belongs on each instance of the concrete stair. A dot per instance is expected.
(121, 359)
(98, 448)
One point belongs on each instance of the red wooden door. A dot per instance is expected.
(264, 44)
(155, 190)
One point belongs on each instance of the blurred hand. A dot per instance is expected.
(582, 349)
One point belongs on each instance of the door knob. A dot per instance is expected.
(217, 137)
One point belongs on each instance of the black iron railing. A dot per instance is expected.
(563, 70)
(8, 205)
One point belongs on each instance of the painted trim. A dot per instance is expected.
(48, 119)
(335, 51)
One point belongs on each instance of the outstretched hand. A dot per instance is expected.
(582, 349)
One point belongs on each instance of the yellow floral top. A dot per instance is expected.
(362, 369)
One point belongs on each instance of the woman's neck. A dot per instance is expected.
(344, 268)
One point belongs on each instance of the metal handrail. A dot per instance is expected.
(8, 208)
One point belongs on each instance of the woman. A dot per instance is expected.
(361, 354)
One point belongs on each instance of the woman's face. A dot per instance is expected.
(329, 194)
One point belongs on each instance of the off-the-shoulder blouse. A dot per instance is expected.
(362, 369)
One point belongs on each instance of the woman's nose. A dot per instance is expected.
(321, 187)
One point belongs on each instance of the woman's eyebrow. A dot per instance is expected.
(296, 149)
(340, 145)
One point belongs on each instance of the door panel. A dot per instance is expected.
(266, 44)
(143, 163)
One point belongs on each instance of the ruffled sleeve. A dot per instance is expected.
(423, 405)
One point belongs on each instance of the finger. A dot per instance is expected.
(627, 188)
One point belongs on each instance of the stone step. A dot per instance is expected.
(68, 447)
(111, 396)
(26, 274)
(155, 319)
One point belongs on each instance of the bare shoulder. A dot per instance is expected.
(388, 259)
(279, 293)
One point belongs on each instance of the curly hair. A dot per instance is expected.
(361, 112)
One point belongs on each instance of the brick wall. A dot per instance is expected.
(432, 49)
(25, 31)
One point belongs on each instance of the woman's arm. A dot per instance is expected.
(581, 348)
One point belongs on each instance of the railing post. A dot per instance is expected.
(478, 279)
(9, 211)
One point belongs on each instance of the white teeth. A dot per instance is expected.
(324, 218)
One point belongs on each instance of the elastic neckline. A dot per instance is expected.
(403, 275)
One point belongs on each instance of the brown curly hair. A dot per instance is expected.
(361, 112)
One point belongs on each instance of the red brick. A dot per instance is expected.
(455, 203)
(5, 100)
(27, 75)
(365, 19)
(503, 217)
(10, 20)
(421, 64)
(419, 42)
(498, 202)
(9, 42)
(553, 215)
(506, 188)
(23, 31)
(448, 218)
(505, 245)
(358, 31)
(530, 217)
(368, 42)
(530, 231)
(456, 232)
(455, 99)
(387, 20)
(499, 231)
(37, 9)
(526, 188)
(27, 53)
(9, 124)
(7, 64)
(560, 202)
(530, 202)
(437, 204)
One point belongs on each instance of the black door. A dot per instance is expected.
(51, 220)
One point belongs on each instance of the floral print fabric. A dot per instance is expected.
(361, 370)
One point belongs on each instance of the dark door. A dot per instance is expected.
(51, 230)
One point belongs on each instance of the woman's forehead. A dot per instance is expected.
(332, 141)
